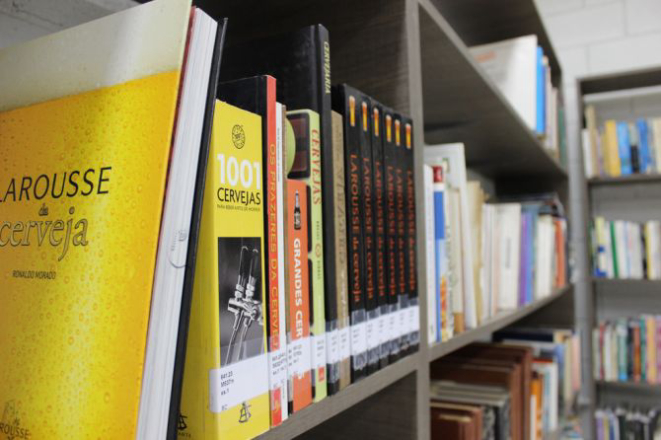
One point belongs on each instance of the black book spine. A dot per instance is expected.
(402, 257)
(369, 234)
(346, 102)
(379, 184)
(392, 262)
(411, 273)
(327, 186)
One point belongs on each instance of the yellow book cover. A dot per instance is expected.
(226, 380)
(86, 123)
(610, 150)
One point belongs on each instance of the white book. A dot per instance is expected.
(512, 66)
(508, 220)
(428, 179)
(544, 256)
(452, 158)
(656, 144)
(621, 246)
(456, 260)
(610, 257)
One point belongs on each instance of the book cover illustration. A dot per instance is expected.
(77, 258)
(226, 379)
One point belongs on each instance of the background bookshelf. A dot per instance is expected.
(635, 198)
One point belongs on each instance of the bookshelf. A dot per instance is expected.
(633, 197)
(412, 55)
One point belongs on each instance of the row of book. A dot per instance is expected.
(484, 258)
(218, 247)
(522, 72)
(519, 388)
(621, 148)
(626, 250)
(628, 350)
(622, 423)
(333, 240)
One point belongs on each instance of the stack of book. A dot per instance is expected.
(628, 350)
(522, 73)
(484, 258)
(621, 423)
(521, 389)
(621, 148)
(626, 250)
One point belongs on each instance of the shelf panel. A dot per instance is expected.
(319, 412)
(632, 386)
(624, 180)
(625, 282)
(485, 21)
(461, 104)
(496, 323)
(620, 81)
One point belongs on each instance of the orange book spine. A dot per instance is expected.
(298, 344)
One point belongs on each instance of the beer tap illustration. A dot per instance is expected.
(245, 305)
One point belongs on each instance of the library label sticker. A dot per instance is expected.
(333, 346)
(358, 339)
(319, 351)
(236, 383)
(299, 357)
(278, 368)
(344, 339)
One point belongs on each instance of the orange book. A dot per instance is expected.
(298, 327)
(561, 260)
(536, 393)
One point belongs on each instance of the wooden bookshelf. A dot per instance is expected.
(631, 197)
(412, 55)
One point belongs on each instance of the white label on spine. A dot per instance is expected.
(358, 339)
(298, 357)
(344, 340)
(392, 325)
(370, 332)
(401, 322)
(278, 368)
(333, 346)
(236, 383)
(381, 329)
(319, 351)
(415, 318)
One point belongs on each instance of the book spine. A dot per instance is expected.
(440, 254)
(347, 101)
(334, 233)
(624, 148)
(308, 149)
(657, 323)
(433, 260)
(392, 262)
(402, 256)
(299, 358)
(369, 235)
(644, 146)
(378, 182)
(274, 189)
(339, 346)
(411, 238)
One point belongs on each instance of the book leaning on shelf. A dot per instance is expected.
(620, 148)
(487, 257)
(108, 156)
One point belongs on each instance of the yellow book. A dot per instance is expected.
(610, 150)
(650, 368)
(226, 389)
(86, 132)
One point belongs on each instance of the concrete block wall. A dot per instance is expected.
(593, 37)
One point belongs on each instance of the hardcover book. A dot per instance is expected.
(257, 95)
(307, 168)
(402, 254)
(413, 317)
(95, 254)
(226, 381)
(300, 61)
(345, 101)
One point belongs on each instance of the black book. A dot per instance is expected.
(400, 209)
(369, 232)
(379, 191)
(411, 264)
(390, 164)
(189, 277)
(300, 61)
(346, 101)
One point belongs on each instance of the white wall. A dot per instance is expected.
(22, 20)
(600, 36)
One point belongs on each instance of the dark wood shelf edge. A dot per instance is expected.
(496, 323)
(629, 385)
(624, 180)
(319, 412)
(626, 281)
